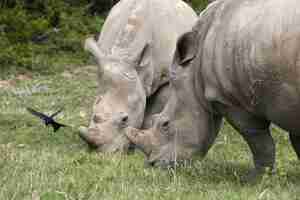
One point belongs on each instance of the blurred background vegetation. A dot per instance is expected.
(46, 36)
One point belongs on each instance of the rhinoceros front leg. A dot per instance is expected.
(295, 141)
(257, 135)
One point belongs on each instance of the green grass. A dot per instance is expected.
(59, 166)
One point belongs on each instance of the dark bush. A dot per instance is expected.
(39, 34)
(198, 5)
(46, 35)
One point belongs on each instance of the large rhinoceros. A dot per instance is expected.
(241, 62)
(134, 51)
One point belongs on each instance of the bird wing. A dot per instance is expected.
(56, 113)
(57, 125)
(36, 113)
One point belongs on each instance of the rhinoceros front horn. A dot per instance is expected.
(83, 134)
(83, 131)
(91, 46)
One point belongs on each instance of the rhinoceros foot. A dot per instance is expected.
(256, 175)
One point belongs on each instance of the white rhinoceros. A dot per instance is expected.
(134, 52)
(241, 62)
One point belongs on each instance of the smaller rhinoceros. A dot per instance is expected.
(134, 52)
(241, 62)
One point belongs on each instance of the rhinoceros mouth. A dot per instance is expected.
(131, 134)
(167, 164)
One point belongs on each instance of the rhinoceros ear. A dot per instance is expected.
(143, 56)
(186, 48)
(96, 36)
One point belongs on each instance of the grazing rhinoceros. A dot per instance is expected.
(241, 62)
(134, 51)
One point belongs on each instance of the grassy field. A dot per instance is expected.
(36, 163)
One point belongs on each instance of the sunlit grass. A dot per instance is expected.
(34, 161)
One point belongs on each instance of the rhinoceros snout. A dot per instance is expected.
(85, 135)
(132, 134)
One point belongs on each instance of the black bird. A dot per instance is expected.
(48, 120)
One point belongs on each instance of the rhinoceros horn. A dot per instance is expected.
(84, 135)
(90, 45)
(187, 47)
(83, 131)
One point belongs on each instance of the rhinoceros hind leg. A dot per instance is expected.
(256, 133)
(295, 141)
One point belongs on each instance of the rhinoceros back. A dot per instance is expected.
(132, 24)
(251, 58)
(125, 21)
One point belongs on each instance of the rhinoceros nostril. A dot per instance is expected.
(135, 134)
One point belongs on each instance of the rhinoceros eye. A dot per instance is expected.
(165, 126)
(124, 121)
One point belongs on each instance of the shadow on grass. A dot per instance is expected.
(214, 172)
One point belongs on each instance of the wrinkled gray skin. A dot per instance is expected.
(134, 52)
(241, 62)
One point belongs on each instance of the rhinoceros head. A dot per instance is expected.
(122, 104)
(159, 142)
(186, 126)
